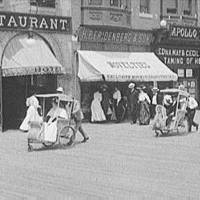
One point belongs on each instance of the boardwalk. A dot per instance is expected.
(120, 161)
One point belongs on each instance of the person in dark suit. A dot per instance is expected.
(133, 102)
(105, 103)
(122, 109)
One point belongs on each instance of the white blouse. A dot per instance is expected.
(144, 96)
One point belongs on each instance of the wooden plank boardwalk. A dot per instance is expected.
(120, 161)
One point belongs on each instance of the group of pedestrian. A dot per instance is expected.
(139, 101)
(115, 105)
(108, 105)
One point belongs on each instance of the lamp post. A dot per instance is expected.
(75, 47)
(160, 34)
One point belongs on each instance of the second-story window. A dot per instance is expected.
(43, 3)
(95, 2)
(173, 7)
(115, 3)
(144, 6)
(187, 7)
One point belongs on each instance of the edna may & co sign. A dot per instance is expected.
(36, 22)
(179, 56)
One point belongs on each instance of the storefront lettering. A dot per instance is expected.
(49, 70)
(129, 65)
(38, 22)
(179, 56)
(182, 32)
(93, 34)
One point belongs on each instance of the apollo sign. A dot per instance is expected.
(36, 22)
(182, 32)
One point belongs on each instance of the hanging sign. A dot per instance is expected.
(49, 23)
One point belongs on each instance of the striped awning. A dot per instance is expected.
(122, 67)
(32, 56)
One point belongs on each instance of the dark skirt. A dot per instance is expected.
(144, 113)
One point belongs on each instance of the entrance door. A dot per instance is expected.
(15, 90)
(13, 93)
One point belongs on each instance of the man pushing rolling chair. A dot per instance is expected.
(77, 115)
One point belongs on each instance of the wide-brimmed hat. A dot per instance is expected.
(60, 89)
(155, 89)
(104, 86)
(131, 85)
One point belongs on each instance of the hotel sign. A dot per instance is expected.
(36, 22)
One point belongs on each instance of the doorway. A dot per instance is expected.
(15, 90)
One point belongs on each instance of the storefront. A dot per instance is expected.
(119, 68)
(180, 52)
(109, 39)
(32, 58)
(113, 43)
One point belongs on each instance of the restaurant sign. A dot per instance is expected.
(111, 35)
(12, 21)
(179, 56)
(184, 32)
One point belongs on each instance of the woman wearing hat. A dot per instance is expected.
(144, 107)
(133, 102)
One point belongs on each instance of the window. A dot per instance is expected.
(173, 7)
(43, 3)
(187, 7)
(1, 1)
(144, 6)
(116, 3)
(95, 2)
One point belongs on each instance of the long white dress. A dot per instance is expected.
(97, 111)
(31, 115)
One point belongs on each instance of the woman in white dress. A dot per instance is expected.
(97, 111)
(31, 114)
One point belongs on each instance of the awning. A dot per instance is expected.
(122, 66)
(25, 56)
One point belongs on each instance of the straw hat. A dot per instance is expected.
(131, 85)
(60, 89)
(155, 89)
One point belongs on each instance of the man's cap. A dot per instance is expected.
(60, 89)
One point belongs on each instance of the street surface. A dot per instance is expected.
(120, 161)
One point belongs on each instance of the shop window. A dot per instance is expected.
(116, 3)
(187, 7)
(43, 3)
(173, 7)
(95, 2)
(144, 6)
